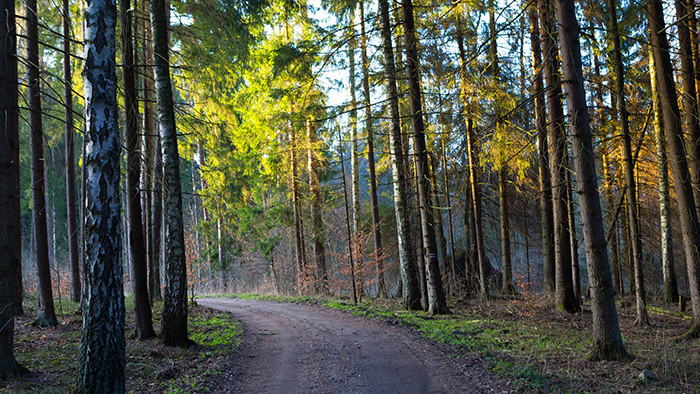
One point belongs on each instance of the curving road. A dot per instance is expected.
(292, 348)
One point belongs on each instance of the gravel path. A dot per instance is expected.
(292, 348)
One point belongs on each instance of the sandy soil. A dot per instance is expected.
(292, 348)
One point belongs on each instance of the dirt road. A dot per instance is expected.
(291, 348)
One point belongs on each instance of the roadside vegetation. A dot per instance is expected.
(539, 349)
(52, 354)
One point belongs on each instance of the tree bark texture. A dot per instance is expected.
(139, 264)
(10, 231)
(409, 277)
(607, 340)
(174, 325)
(47, 315)
(677, 149)
(437, 303)
(102, 353)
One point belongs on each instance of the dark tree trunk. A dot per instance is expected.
(508, 287)
(679, 162)
(564, 296)
(376, 230)
(685, 12)
(102, 353)
(410, 289)
(436, 294)
(546, 216)
(139, 265)
(607, 340)
(47, 315)
(316, 208)
(70, 160)
(10, 231)
(174, 326)
(302, 280)
(157, 223)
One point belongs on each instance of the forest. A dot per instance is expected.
(434, 153)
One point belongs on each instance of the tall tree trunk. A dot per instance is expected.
(139, 276)
(47, 315)
(685, 12)
(70, 159)
(474, 173)
(679, 163)
(376, 230)
(157, 224)
(667, 259)
(11, 229)
(102, 353)
(300, 248)
(174, 326)
(607, 340)
(354, 153)
(316, 208)
(545, 181)
(575, 269)
(632, 217)
(564, 296)
(410, 289)
(437, 303)
(508, 287)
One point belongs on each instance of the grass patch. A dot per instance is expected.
(51, 354)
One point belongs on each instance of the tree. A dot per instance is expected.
(607, 340)
(437, 303)
(316, 206)
(47, 315)
(409, 278)
(102, 353)
(376, 230)
(139, 263)
(679, 162)
(632, 215)
(70, 159)
(667, 260)
(174, 326)
(10, 231)
(564, 296)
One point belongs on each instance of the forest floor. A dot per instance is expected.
(519, 345)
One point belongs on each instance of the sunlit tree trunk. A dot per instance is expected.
(102, 353)
(632, 218)
(174, 319)
(139, 264)
(607, 340)
(410, 289)
(667, 259)
(679, 162)
(47, 315)
(10, 231)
